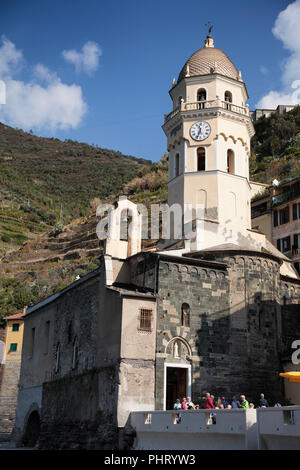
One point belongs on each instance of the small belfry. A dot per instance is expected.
(208, 139)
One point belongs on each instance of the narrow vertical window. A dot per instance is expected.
(230, 161)
(201, 159)
(57, 357)
(185, 315)
(177, 165)
(75, 354)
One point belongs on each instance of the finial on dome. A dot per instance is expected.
(209, 42)
(187, 74)
(174, 82)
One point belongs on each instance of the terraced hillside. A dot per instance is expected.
(47, 182)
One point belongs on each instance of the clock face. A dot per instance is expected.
(200, 130)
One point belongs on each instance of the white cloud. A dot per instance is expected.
(45, 102)
(87, 60)
(11, 59)
(286, 28)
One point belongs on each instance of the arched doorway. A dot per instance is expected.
(177, 372)
(32, 431)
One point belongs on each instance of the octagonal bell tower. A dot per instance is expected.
(208, 137)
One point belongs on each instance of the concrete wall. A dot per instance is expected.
(234, 430)
(279, 428)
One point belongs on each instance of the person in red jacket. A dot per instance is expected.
(208, 402)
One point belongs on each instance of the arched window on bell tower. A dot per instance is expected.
(201, 159)
(201, 96)
(230, 161)
(228, 96)
(177, 165)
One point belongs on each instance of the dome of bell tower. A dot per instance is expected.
(208, 60)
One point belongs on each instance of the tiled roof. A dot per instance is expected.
(206, 60)
(17, 316)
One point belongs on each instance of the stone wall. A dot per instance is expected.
(235, 332)
(206, 291)
(75, 327)
(79, 412)
(290, 316)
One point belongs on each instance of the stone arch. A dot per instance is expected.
(223, 135)
(32, 427)
(232, 138)
(184, 353)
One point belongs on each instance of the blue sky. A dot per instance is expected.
(114, 92)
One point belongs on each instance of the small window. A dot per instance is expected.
(185, 315)
(201, 159)
(15, 327)
(275, 218)
(13, 347)
(145, 319)
(284, 215)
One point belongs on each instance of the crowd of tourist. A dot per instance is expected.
(220, 403)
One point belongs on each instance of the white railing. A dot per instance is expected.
(195, 429)
(264, 428)
(208, 104)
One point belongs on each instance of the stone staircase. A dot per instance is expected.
(7, 416)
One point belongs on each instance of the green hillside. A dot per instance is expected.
(275, 149)
(46, 182)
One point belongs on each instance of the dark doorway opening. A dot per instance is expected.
(32, 431)
(176, 385)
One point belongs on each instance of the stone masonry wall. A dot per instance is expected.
(79, 412)
(207, 293)
(76, 322)
(235, 331)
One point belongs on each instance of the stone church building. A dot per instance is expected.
(216, 310)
